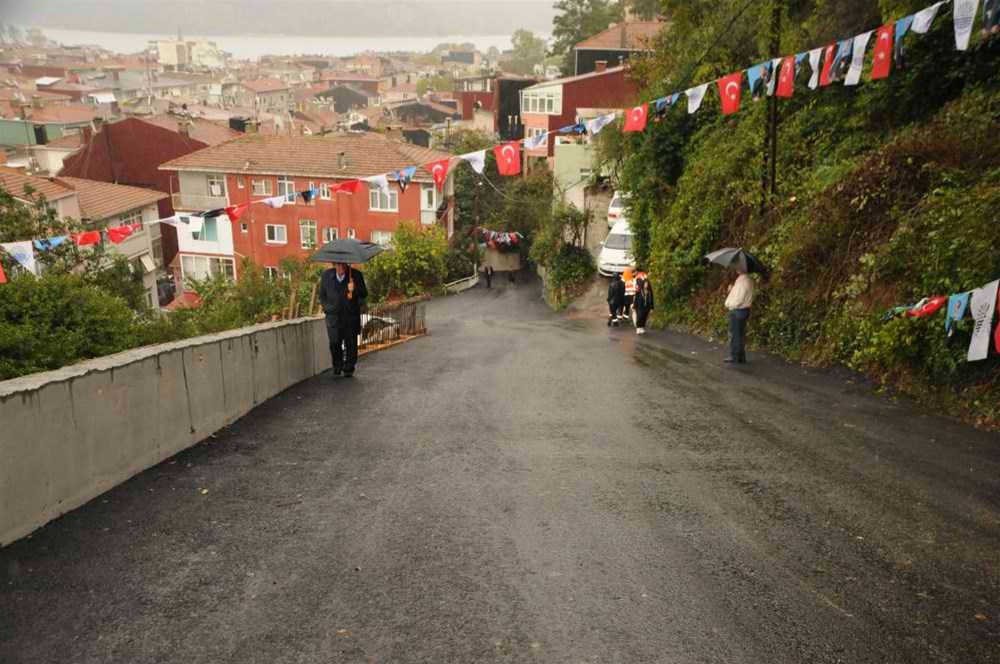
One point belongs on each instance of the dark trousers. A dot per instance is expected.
(738, 334)
(489, 280)
(343, 344)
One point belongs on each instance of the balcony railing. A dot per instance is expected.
(198, 203)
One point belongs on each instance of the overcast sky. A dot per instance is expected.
(423, 18)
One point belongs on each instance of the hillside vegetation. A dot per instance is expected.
(887, 193)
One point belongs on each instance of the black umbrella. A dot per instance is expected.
(351, 252)
(737, 259)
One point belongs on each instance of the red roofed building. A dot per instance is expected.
(615, 45)
(256, 167)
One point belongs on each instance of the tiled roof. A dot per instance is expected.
(625, 36)
(309, 156)
(66, 141)
(265, 85)
(26, 95)
(63, 114)
(14, 183)
(574, 79)
(207, 132)
(345, 76)
(102, 200)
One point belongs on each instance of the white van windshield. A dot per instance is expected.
(623, 242)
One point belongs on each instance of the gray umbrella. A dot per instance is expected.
(351, 252)
(737, 259)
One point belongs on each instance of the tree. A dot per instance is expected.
(578, 20)
(416, 264)
(529, 51)
(37, 38)
(645, 10)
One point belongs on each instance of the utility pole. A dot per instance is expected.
(769, 173)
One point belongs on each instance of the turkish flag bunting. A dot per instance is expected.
(119, 234)
(508, 158)
(349, 187)
(234, 212)
(882, 62)
(829, 54)
(786, 84)
(87, 239)
(635, 119)
(731, 92)
(3, 278)
(439, 169)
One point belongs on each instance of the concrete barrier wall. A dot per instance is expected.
(68, 436)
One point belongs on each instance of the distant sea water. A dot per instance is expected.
(251, 47)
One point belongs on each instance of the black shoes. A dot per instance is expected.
(349, 373)
(337, 373)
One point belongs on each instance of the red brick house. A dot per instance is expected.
(552, 105)
(256, 167)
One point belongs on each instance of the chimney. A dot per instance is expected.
(394, 132)
(623, 31)
(36, 102)
(184, 128)
(98, 124)
(601, 65)
(115, 75)
(342, 161)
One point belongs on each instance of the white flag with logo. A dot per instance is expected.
(858, 62)
(23, 253)
(814, 60)
(984, 301)
(965, 16)
(537, 141)
(923, 20)
(380, 182)
(477, 160)
(595, 126)
(695, 97)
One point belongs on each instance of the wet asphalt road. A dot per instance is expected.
(524, 487)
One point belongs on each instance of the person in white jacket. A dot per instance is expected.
(738, 303)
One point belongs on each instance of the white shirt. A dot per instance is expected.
(740, 293)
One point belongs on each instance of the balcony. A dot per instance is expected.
(198, 202)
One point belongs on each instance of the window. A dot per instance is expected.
(245, 227)
(261, 187)
(271, 272)
(541, 102)
(240, 183)
(308, 234)
(329, 234)
(203, 267)
(381, 201)
(209, 232)
(351, 234)
(216, 185)
(324, 191)
(383, 238)
(428, 198)
(276, 234)
(132, 217)
(286, 187)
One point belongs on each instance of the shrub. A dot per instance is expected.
(415, 265)
(571, 270)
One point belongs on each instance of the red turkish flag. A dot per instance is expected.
(87, 238)
(731, 92)
(234, 212)
(635, 119)
(439, 169)
(119, 234)
(508, 158)
(829, 54)
(786, 84)
(882, 60)
(349, 187)
(3, 280)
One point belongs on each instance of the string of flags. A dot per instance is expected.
(842, 61)
(500, 238)
(981, 304)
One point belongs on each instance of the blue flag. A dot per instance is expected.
(403, 177)
(50, 243)
(758, 77)
(957, 306)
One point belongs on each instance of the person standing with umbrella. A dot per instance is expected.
(740, 298)
(343, 294)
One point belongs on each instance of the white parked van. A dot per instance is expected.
(617, 252)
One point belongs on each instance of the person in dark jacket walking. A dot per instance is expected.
(616, 299)
(343, 293)
(643, 303)
(489, 276)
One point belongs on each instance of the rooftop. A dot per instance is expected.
(634, 36)
(309, 156)
(202, 130)
(15, 184)
(63, 114)
(264, 85)
(102, 200)
(581, 77)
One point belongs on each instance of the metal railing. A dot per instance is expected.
(197, 202)
(387, 323)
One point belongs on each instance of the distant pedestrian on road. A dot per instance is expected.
(629, 279)
(511, 279)
(616, 299)
(739, 302)
(489, 276)
(343, 294)
(643, 303)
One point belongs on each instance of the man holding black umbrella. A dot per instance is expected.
(343, 293)
(739, 302)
